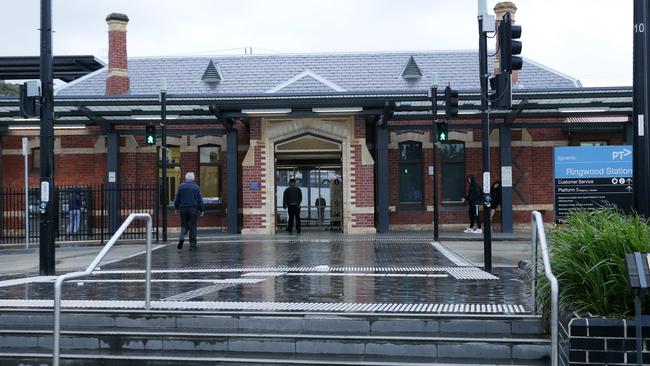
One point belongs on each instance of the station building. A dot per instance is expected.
(352, 128)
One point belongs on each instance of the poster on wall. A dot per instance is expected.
(591, 177)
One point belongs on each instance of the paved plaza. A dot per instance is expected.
(310, 273)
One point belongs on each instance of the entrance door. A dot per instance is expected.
(322, 196)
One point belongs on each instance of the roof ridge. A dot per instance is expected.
(301, 76)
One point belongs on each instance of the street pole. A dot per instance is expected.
(434, 138)
(485, 124)
(641, 173)
(26, 164)
(47, 228)
(163, 132)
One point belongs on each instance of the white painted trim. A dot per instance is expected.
(303, 74)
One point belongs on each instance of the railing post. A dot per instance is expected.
(147, 299)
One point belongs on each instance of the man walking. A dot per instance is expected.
(291, 202)
(189, 202)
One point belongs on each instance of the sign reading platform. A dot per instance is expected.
(592, 177)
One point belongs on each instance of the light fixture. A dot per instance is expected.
(337, 110)
(26, 119)
(36, 128)
(583, 110)
(467, 112)
(152, 117)
(266, 111)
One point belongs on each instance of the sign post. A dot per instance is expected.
(26, 160)
(591, 178)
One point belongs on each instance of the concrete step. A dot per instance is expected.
(504, 325)
(15, 357)
(430, 347)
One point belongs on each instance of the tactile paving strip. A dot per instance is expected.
(278, 306)
(461, 273)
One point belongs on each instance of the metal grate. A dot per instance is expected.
(211, 74)
(412, 70)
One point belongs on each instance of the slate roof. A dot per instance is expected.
(323, 73)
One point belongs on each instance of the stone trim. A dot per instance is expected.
(115, 25)
(397, 138)
(113, 71)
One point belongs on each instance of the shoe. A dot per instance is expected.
(180, 244)
(468, 230)
(478, 231)
(193, 247)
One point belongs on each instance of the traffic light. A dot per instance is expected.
(150, 135)
(451, 102)
(442, 132)
(509, 46)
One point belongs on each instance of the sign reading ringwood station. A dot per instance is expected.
(592, 177)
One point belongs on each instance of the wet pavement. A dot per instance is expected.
(304, 270)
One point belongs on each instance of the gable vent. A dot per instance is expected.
(412, 70)
(212, 74)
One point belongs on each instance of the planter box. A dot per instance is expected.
(601, 341)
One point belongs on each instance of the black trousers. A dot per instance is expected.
(474, 216)
(189, 217)
(294, 212)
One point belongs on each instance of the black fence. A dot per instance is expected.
(81, 212)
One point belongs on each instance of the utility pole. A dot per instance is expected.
(47, 205)
(485, 123)
(641, 172)
(163, 132)
(434, 139)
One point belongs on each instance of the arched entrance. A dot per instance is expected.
(314, 161)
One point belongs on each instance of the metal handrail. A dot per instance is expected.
(91, 267)
(537, 228)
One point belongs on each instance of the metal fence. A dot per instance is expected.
(81, 212)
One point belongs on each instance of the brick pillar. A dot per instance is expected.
(500, 10)
(117, 81)
(361, 181)
(254, 185)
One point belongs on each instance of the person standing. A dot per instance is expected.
(473, 198)
(74, 209)
(291, 201)
(320, 205)
(495, 191)
(189, 203)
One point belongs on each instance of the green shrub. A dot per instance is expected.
(588, 259)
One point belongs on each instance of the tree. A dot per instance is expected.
(11, 90)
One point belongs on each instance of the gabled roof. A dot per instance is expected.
(313, 73)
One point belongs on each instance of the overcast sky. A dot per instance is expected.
(587, 39)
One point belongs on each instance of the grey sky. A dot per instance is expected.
(587, 39)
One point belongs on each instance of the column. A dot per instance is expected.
(112, 180)
(505, 146)
(381, 147)
(233, 182)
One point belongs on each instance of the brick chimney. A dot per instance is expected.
(117, 81)
(499, 11)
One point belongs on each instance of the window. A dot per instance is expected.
(410, 174)
(453, 171)
(209, 178)
(173, 172)
(36, 159)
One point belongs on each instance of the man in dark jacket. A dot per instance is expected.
(291, 201)
(189, 203)
(473, 198)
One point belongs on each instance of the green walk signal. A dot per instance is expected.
(150, 135)
(442, 131)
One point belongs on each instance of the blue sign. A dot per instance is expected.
(593, 162)
(255, 186)
(591, 178)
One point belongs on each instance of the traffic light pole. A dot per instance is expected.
(47, 205)
(641, 134)
(163, 133)
(485, 124)
(434, 138)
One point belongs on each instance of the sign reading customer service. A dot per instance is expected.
(592, 177)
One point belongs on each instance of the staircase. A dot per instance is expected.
(134, 337)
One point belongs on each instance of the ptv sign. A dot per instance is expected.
(591, 178)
